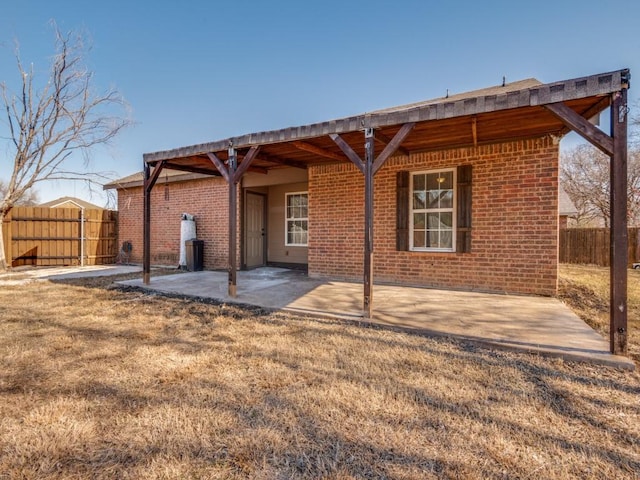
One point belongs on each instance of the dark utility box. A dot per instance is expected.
(195, 255)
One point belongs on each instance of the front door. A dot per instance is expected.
(254, 230)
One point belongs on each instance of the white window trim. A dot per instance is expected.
(454, 211)
(287, 219)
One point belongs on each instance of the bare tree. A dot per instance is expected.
(47, 125)
(29, 199)
(584, 175)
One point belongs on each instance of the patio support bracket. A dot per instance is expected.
(369, 167)
(582, 127)
(150, 179)
(232, 173)
(615, 146)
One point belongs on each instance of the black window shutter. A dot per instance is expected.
(463, 226)
(402, 211)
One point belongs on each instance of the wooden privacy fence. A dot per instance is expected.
(60, 236)
(591, 246)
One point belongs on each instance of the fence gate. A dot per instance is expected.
(60, 236)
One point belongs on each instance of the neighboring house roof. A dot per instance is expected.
(69, 202)
(565, 205)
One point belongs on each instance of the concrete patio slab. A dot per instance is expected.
(538, 325)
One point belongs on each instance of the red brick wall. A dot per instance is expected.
(207, 199)
(514, 221)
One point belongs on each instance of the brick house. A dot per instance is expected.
(458, 192)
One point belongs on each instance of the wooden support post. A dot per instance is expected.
(146, 254)
(369, 167)
(233, 200)
(368, 221)
(232, 174)
(618, 253)
(150, 179)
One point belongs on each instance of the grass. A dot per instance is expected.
(585, 288)
(104, 383)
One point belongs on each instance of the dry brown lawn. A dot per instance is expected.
(103, 383)
(585, 288)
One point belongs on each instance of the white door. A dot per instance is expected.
(254, 230)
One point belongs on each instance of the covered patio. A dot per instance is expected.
(519, 111)
(538, 325)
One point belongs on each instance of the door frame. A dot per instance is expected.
(245, 229)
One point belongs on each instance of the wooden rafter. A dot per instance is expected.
(182, 168)
(246, 163)
(348, 151)
(282, 161)
(153, 178)
(474, 130)
(219, 164)
(591, 111)
(582, 127)
(384, 140)
(308, 147)
(393, 145)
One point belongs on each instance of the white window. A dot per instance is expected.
(432, 219)
(297, 219)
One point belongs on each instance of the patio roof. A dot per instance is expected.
(499, 113)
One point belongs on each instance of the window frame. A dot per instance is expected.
(453, 210)
(287, 219)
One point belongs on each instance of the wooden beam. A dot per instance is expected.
(596, 109)
(153, 178)
(390, 149)
(233, 212)
(282, 161)
(474, 131)
(369, 172)
(246, 162)
(582, 127)
(619, 241)
(384, 140)
(348, 151)
(308, 147)
(183, 168)
(219, 165)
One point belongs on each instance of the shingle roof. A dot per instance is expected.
(525, 95)
(565, 205)
(482, 92)
(59, 202)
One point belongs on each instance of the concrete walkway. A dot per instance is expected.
(539, 325)
(21, 275)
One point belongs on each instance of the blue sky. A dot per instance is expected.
(197, 71)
